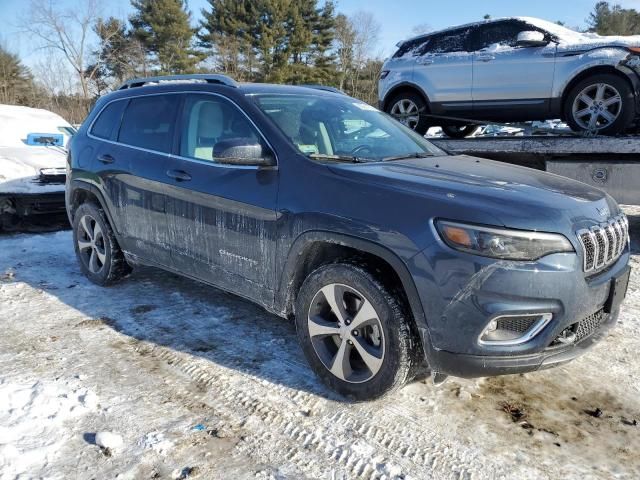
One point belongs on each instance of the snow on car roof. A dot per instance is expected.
(553, 28)
(17, 121)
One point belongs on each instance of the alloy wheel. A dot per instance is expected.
(597, 107)
(346, 333)
(91, 244)
(406, 112)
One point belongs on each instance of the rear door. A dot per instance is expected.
(444, 70)
(221, 218)
(508, 77)
(141, 154)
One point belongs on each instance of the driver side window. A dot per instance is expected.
(208, 120)
(498, 34)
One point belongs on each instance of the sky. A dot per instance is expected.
(396, 17)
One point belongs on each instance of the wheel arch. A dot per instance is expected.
(82, 192)
(405, 87)
(313, 249)
(620, 71)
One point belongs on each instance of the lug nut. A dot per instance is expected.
(348, 322)
(354, 333)
(350, 342)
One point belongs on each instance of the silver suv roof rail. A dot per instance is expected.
(203, 77)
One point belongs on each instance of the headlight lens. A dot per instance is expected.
(501, 243)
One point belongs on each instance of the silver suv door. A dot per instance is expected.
(444, 70)
(507, 76)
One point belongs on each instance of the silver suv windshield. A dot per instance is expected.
(336, 128)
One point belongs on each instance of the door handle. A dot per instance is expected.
(425, 61)
(106, 159)
(179, 175)
(486, 57)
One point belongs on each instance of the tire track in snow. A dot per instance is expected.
(359, 445)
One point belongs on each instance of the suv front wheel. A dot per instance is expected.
(410, 109)
(354, 333)
(602, 104)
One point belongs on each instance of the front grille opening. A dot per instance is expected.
(579, 331)
(602, 245)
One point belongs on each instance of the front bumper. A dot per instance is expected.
(472, 366)
(462, 293)
(28, 204)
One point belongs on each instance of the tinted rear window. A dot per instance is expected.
(108, 121)
(148, 122)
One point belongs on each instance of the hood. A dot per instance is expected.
(478, 189)
(32, 169)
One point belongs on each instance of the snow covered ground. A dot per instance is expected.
(196, 383)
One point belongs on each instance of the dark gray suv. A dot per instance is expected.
(390, 254)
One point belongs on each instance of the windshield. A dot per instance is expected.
(342, 128)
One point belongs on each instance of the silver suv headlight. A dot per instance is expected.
(501, 243)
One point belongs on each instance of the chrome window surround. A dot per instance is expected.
(195, 160)
(603, 244)
(535, 329)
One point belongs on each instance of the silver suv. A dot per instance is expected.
(511, 70)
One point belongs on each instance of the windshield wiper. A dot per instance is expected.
(408, 155)
(338, 158)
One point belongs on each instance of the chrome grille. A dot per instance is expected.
(603, 244)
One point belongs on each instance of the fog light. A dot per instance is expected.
(513, 329)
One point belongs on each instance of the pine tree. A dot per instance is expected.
(16, 81)
(163, 27)
(119, 56)
(614, 20)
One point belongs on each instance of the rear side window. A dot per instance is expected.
(148, 122)
(448, 42)
(108, 121)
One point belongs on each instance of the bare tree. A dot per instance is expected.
(366, 30)
(68, 32)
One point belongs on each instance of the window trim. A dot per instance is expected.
(178, 124)
(114, 130)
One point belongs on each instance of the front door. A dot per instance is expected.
(221, 218)
(507, 77)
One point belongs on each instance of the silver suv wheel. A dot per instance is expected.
(406, 112)
(597, 107)
(346, 333)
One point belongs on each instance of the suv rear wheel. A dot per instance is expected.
(97, 250)
(409, 109)
(354, 333)
(602, 104)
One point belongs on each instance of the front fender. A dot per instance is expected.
(571, 66)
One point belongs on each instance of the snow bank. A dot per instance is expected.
(31, 421)
(20, 168)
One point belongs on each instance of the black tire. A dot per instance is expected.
(114, 267)
(462, 131)
(423, 123)
(401, 352)
(625, 114)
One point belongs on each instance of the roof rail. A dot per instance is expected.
(203, 77)
(324, 88)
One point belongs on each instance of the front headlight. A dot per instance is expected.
(501, 243)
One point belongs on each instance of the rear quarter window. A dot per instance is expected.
(108, 121)
(148, 122)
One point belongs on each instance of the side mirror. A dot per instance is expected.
(242, 151)
(531, 39)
